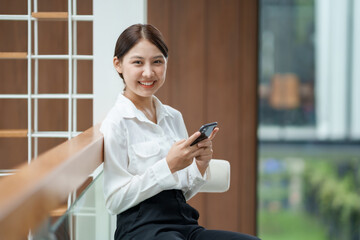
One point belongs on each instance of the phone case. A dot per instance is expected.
(205, 131)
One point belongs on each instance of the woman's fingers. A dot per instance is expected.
(198, 152)
(213, 133)
(202, 152)
(192, 138)
(181, 153)
(204, 157)
(205, 143)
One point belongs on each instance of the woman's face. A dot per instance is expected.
(143, 69)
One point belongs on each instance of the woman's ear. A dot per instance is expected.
(117, 64)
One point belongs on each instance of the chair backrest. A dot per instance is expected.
(219, 180)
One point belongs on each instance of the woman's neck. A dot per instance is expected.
(144, 104)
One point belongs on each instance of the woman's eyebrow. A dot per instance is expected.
(140, 57)
(137, 57)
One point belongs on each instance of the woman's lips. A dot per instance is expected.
(147, 84)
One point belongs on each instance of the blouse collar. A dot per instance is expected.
(130, 110)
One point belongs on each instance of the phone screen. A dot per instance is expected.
(205, 131)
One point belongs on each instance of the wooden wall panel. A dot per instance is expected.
(161, 16)
(187, 68)
(13, 116)
(53, 76)
(13, 80)
(223, 104)
(212, 77)
(248, 58)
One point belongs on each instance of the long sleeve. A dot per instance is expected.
(123, 190)
(194, 179)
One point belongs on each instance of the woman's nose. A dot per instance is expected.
(148, 71)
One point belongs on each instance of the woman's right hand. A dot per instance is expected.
(181, 154)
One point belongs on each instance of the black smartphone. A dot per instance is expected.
(205, 131)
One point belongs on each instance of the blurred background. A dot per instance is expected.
(308, 113)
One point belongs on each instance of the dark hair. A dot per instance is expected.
(133, 34)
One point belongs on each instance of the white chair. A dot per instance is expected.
(219, 176)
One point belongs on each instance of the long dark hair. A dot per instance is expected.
(133, 34)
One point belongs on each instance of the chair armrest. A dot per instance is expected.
(218, 176)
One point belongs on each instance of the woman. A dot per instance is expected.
(150, 169)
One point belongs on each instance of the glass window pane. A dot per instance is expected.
(309, 155)
(287, 63)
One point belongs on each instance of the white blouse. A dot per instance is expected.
(135, 151)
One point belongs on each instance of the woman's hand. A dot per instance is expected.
(204, 157)
(181, 154)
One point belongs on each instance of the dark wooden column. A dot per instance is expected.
(212, 76)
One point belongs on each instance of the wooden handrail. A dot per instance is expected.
(29, 196)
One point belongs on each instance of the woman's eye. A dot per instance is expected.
(137, 62)
(158, 61)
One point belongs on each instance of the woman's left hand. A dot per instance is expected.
(203, 159)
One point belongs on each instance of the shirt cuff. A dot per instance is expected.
(163, 175)
(196, 174)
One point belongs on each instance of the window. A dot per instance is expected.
(307, 85)
(309, 119)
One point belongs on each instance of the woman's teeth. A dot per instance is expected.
(147, 83)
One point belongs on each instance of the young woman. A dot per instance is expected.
(150, 169)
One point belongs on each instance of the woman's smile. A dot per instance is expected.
(147, 84)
